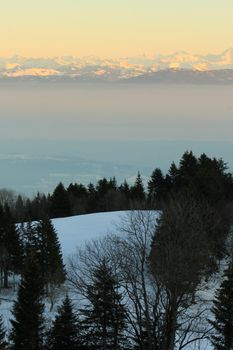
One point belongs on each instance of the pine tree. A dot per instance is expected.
(156, 186)
(188, 164)
(124, 191)
(60, 204)
(3, 344)
(64, 334)
(27, 325)
(20, 211)
(51, 262)
(124, 188)
(137, 190)
(223, 313)
(10, 247)
(104, 316)
(92, 198)
(30, 239)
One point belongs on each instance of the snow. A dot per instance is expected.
(75, 231)
(72, 232)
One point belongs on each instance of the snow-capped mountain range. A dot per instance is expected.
(180, 66)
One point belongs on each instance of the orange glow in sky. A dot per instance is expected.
(114, 28)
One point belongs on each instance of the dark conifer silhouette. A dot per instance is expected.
(137, 191)
(51, 262)
(27, 325)
(223, 313)
(60, 204)
(156, 186)
(10, 246)
(104, 317)
(64, 333)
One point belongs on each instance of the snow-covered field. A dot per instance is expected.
(74, 232)
(77, 230)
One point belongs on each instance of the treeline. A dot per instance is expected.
(205, 177)
(139, 290)
(77, 199)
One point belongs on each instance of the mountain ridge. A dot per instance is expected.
(179, 66)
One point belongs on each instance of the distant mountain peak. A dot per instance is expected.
(112, 69)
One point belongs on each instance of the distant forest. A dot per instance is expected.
(141, 289)
(205, 177)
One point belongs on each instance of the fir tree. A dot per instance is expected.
(173, 175)
(51, 262)
(137, 190)
(92, 198)
(10, 247)
(30, 239)
(64, 334)
(20, 209)
(223, 313)
(60, 204)
(124, 188)
(104, 317)
(27, 325)
(156, 186)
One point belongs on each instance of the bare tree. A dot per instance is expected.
(146, 295)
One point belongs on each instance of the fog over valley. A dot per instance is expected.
(46, 129)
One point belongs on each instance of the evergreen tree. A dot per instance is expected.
(10, 246)
(60, 204)
(172, 178)
(51, 262)
(223, 313)
(20, 211)
(30, 239)
(78, 198)
(156, 186)
(3, 344)
(137, 190)
(92, 198)
(113, 183)
(27, 325)
(104, 317)
(188, 164)
(124, 188)
(64, 334)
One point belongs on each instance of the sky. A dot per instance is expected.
(114, 28)
(116, 115)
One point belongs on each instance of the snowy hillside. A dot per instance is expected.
(74, 231)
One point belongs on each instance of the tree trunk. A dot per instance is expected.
(5, 278)
(171, 325)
